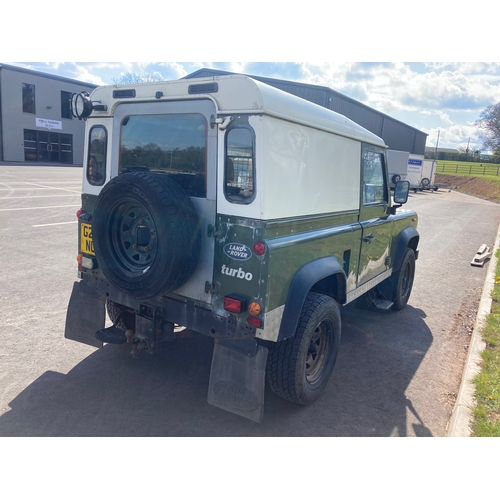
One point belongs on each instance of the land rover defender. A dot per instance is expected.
(229, 208)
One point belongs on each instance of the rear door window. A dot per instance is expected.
(172, 144)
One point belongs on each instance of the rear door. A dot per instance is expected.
(174, 138)
(374, 219)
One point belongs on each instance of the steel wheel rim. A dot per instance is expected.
(133, 234)
(317, 352)
(406, 281)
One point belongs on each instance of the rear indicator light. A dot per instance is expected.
(254, 322)
(259, 248)
(254, 308)
(79, 258)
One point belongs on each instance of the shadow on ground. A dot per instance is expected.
(111, 394)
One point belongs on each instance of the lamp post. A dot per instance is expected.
(436, 151)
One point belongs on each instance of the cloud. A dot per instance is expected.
(454, 136)
(390, 87)
(430, 96)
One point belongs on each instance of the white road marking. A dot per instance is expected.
(34, 197)
(36, 208)
(55, 224)
(50, 187)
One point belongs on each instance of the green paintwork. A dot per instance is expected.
(293, 243)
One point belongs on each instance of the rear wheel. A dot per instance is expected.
(403, 281)
(299, 368)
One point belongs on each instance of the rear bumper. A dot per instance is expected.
(182, 312)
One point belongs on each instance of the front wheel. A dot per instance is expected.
(403, 280)
(299, 368)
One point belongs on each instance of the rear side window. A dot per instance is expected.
(96, 162)
(239, 167)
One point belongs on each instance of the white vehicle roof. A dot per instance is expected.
(239, 94)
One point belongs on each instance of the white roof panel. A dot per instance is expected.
(241, 94)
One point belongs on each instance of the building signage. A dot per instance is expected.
(50, 124)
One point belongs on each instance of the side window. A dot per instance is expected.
(374, 190)
(96, 163)
(239, 167)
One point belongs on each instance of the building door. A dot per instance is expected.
(50, 147)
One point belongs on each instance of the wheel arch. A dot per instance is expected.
(324, 275)
(407, 238)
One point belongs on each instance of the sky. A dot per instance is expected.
(435, 97)
(444, 98)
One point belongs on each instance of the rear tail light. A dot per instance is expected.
(257, 322)
(259, 248)
(234, 304)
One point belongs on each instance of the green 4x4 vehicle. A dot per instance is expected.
(232, 209)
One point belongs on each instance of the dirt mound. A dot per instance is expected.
(475, 186)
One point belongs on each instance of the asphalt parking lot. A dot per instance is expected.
(397, 373)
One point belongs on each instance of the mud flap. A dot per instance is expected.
(237, 378)
(85, 316)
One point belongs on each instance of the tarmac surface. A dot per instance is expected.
(398, 374)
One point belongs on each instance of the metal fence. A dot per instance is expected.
(469, 169)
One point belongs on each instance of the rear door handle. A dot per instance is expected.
(369, 239)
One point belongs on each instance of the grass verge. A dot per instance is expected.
(486, 413)
(482, 186)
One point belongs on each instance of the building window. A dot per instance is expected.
(28, 98)
(66, 105)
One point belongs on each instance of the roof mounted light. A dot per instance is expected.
(82, 106)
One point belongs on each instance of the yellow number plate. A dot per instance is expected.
(86, 243)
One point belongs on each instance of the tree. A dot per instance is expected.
(128, 78)
(489, 122)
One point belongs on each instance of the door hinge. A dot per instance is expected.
(213, 231)
(211, 288)
(388, 260)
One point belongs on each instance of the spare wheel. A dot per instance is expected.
(146, 234)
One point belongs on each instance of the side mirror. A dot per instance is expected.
(401, 191)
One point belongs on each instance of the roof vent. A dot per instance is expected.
(203, 88)
(123, 94)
